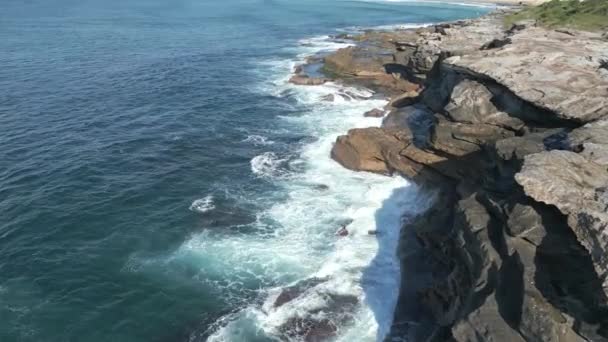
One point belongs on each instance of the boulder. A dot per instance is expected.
(366, 150)
(328, 98)
(374, 113)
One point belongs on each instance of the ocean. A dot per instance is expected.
(161, 181)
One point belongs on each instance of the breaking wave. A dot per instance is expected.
(203, 205)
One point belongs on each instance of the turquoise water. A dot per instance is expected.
(158, 178)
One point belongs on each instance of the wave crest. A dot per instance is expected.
(268, 164)
(203, 205)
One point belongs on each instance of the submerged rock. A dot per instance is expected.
(374, 113)
(309, 329)
(305, 80)
(317, 323)
(289, 293)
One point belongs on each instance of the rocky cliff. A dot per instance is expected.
(510, 127)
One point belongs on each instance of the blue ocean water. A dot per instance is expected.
(159, 180)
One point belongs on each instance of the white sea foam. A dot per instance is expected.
(268, 165)
(258, 140)
(203, 205)
(478, 4)
(314, 203)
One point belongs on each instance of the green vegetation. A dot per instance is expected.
(585, 15)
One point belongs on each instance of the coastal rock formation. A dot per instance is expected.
(306, 80)
(374, 113)
(510, 127)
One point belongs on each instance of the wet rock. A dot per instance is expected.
(374, 113)
(305, 80)
(511, 128)
(290, 293)
(309, 329)
(312, 327)
(352, 61)
(328, 98)
(321, 187)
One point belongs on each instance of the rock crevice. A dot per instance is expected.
(510, 128)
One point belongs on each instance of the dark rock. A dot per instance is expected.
(405, 99)
(513, 133)
(576, 186)
(374, 113)
(290, 293)
(305, 80)
(321, 187)
(471, 102)
(496, 43)
(458, 139)
(416, 119)
(309, 329)
(328, 98)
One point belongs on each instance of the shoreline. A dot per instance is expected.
(436, 138)
(506, 3)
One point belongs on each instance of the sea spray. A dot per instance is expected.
(320, 198)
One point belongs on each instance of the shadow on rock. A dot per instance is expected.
(381, 279)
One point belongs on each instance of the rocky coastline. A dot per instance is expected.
(509, 126)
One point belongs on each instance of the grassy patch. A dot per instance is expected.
(585, 15)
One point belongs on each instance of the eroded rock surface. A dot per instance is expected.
(511, 127)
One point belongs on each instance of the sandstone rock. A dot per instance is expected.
(366, 150)
(305, 80)
(472, 102)
(386, 152)
(459, 140)
(516, 246)
(578, 188)
(591, 141)
(404, 99)
(374, 113)
(352, 61)
(551, 70)
(516, 148)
